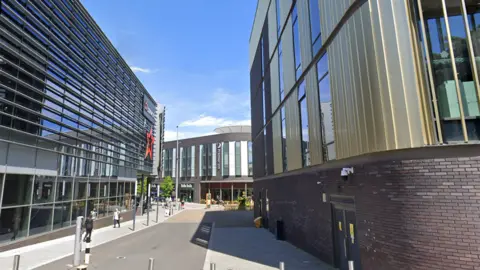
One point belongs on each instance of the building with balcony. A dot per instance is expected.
(365, 129)
(76, 125)
(220, 164)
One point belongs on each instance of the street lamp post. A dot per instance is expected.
(178, 169)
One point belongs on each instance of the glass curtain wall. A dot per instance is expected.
(450, 35)
(38, 204)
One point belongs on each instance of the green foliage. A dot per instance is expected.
(145, 186)
(167, 186)
(242, 201)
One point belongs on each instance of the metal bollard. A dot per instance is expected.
(282, 266)
(16, 262)
(150, 264)
(78, 242)
(212, 266)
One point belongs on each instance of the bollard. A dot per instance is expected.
(150, 264)
(157, 212)
(16, 262)
(282, 266)
(77, 248)
(350, 265)
(87, 251)
(212, 266)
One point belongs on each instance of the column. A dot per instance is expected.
(231, 198)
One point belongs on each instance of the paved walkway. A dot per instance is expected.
(252, 248)
(34, 256)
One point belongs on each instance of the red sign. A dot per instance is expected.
(150, 141)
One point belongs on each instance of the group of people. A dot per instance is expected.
(88, 224)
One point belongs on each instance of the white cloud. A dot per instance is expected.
(143, 70)
(210, 121)
(171, 135)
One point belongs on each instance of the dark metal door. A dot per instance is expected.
(340, 240)
(353, 247)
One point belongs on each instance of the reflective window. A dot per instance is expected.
(326, 109)
(238, 159)
(19, 190)
(296, 44)
(302, 102)
(279, 17)
(41, 218)
(284, 138)
(250, 159)
(448, 102)
(14, 223)
(280, 71)
(315, 26)
(226, 157)
(43, 189)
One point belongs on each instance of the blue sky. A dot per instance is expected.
(191, 55)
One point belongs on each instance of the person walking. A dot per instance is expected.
(116, 218)
(88, 224)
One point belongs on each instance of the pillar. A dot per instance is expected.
(231, 198)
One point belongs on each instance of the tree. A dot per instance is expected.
(145, 186)
(167, 186)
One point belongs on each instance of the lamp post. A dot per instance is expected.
(177, 173)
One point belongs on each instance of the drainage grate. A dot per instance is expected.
(121, 257)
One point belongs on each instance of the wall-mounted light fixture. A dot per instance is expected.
(346, 172)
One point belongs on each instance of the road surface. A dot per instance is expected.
(180, 243)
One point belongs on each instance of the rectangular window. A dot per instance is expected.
(296, 44)
(209, 159)
(302, 102)
(326, 109)
(238, 160)
(250, 159)
(315, 26)
(279, 18)
(226, 166)
(280, 71)
(264, 103)
(284, 139)
(213, 161)
(200, 158)
(192, 162)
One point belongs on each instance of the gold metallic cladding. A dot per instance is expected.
(430, 74)
(473, 63)
(454, 68)
(423, 93)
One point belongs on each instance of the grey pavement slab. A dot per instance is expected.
(39, 254)
(172, 245)
(252, 248)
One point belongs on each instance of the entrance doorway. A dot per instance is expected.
(345, 233)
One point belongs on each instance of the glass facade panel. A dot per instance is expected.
(226, 159)
(61, 215)
(250, 159)
(41, 218)
(302, 102)
(14, 223)
(284, 139)
(238, 160)
(315, 25)
(19, 190)
(43, 189)
(326, 109)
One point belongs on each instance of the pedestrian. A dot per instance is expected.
(116, 218)
(88, 224)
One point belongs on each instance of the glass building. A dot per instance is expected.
(73, 120)
(365, 128)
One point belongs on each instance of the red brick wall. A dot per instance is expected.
(411, 214)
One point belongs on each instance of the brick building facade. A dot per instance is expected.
(415, 209)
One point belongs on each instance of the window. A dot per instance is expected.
(315, 26)
(192, 161)
(226, 167)
(279, 18)
(302, 104)
(280, 71)
(238, 160)
(264, 96)
(182, 162)
(326, 109)
(250, 159)
(201, 161)
(296, 44)
(284, 138)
